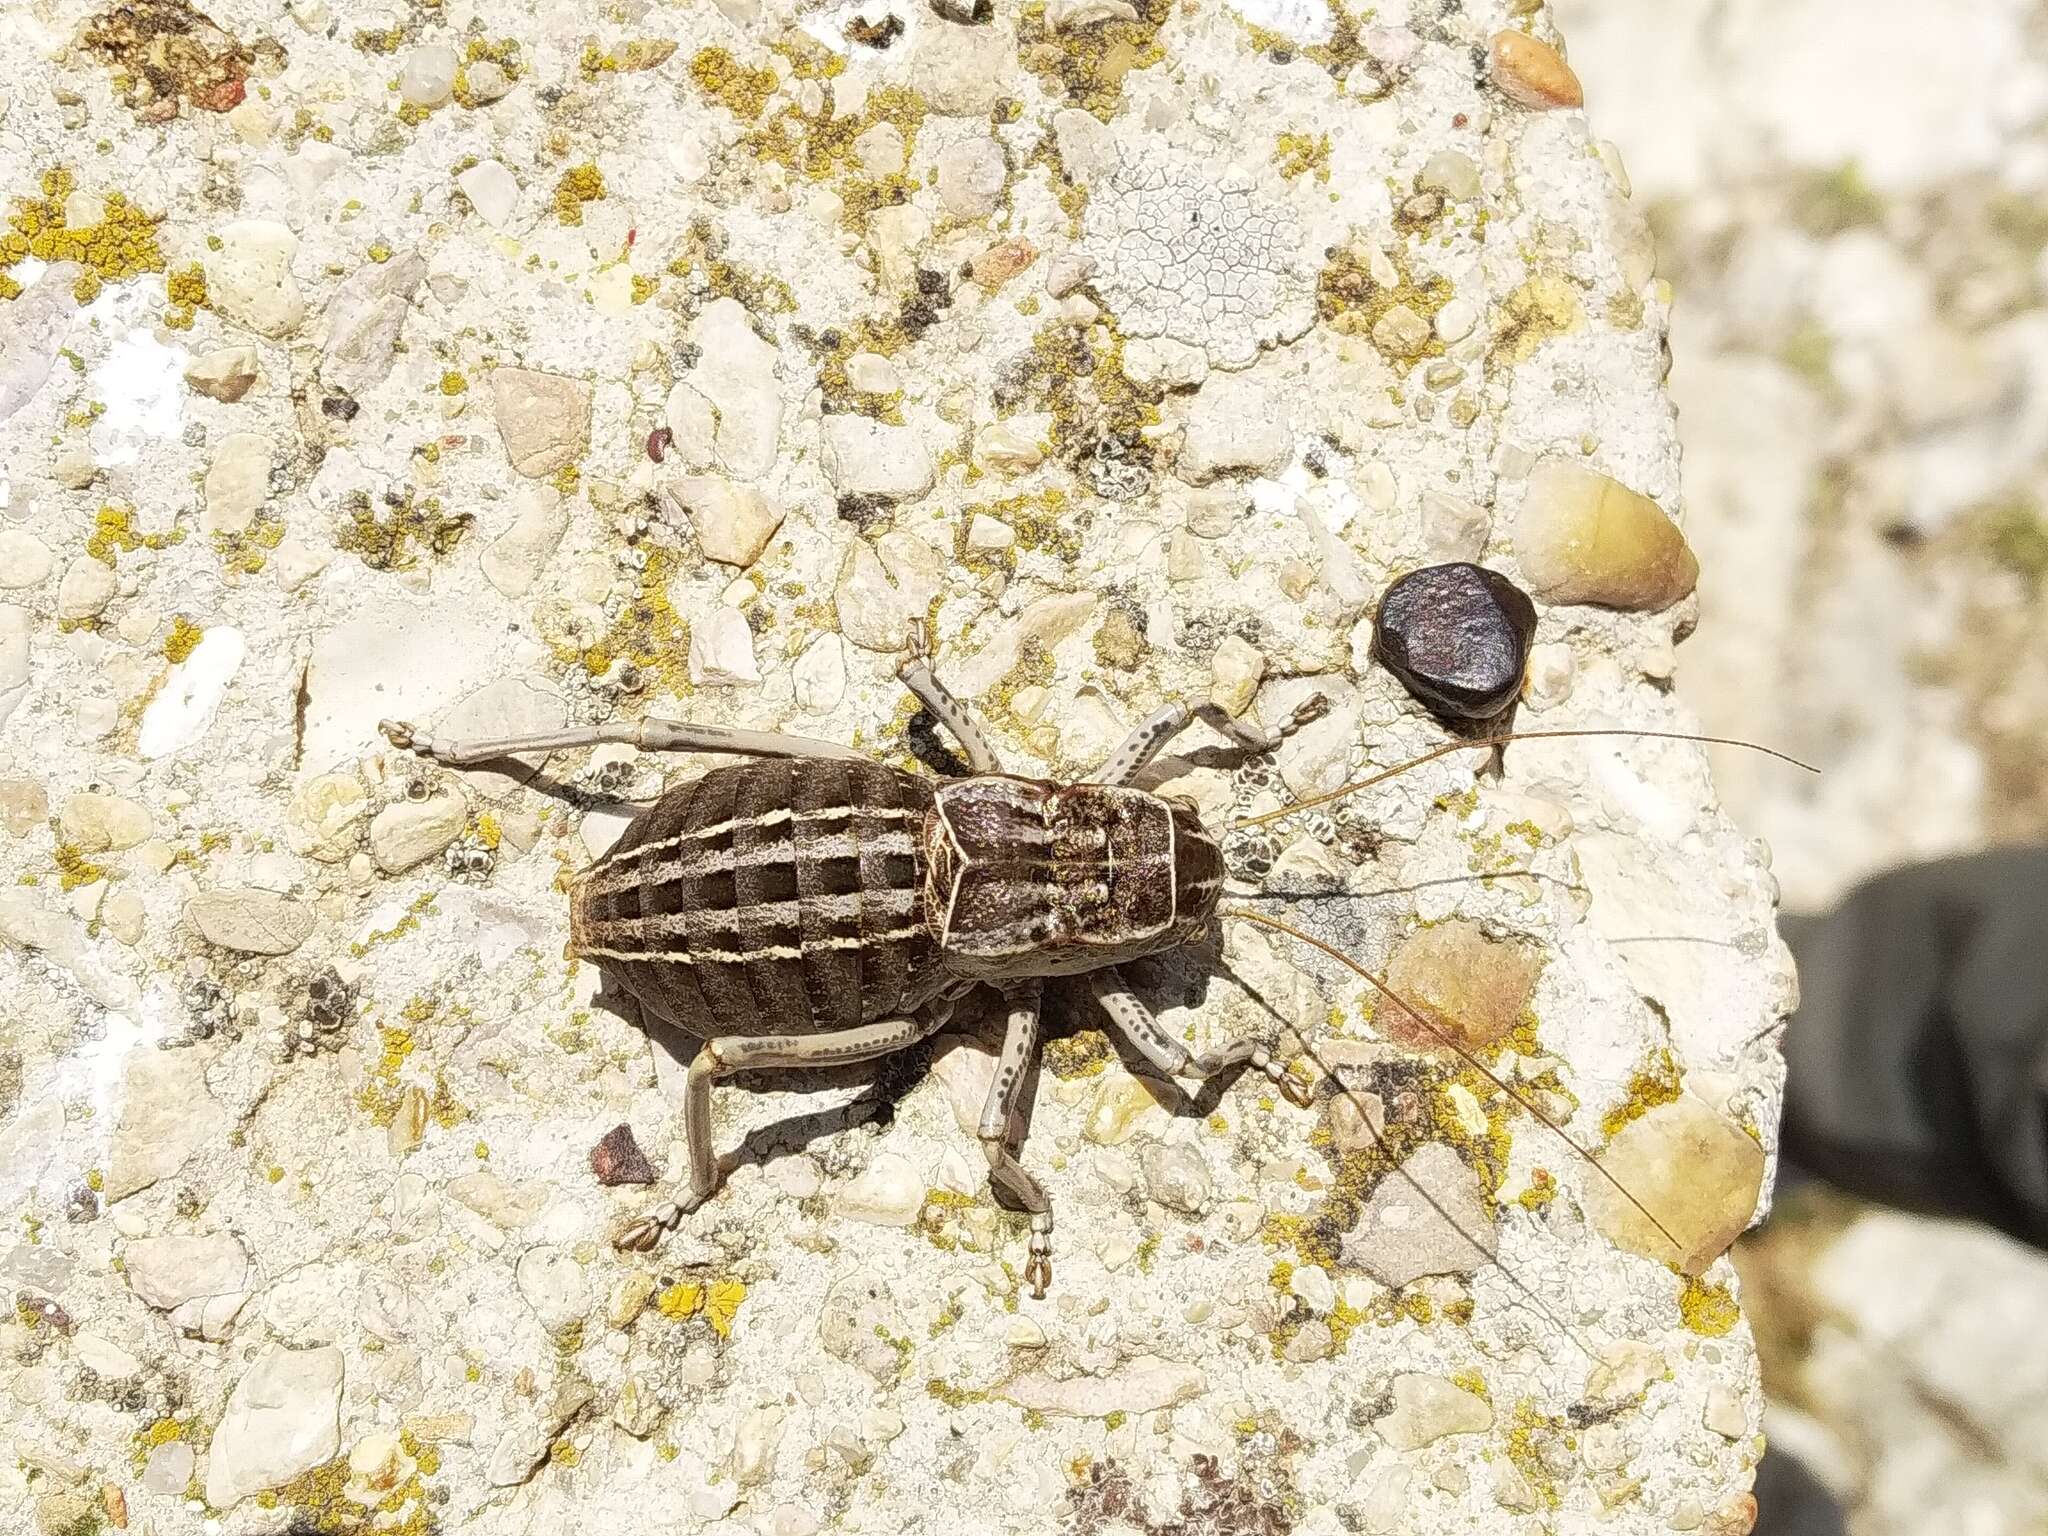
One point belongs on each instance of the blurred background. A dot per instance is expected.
(1850, 201)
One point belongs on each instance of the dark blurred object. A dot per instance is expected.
(1918, 1061)
(1917, 1070)
(1458, 638)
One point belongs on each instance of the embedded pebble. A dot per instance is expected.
(165, 1116)
(1473, 988)
(733, 523)
(1532, 72)
(1696, 1171)
(25, 560)
(857, 1322)
(237, 483)
(883, 586)
(722, 650)
(1235, 426)
(32, 332)
(409, 832)
(87, 588)
(617, 1159)
(888, 1193)
(1424, 1218)
(1583, 537)
(249, 279)
(871, 458)
(366, 319)
(1457, 636)
(96, 823)
(1144, 1384)
(543, 418)
(971, 177)
(428, 77)
(1235, 673)
(167, 1272)
(492, 190)
(819, 675)
(225, 374)
(1401, 334)
(282, 1418)
(1427, 1408)
(514, 560)
(251, 921)
(552, 1282)
(14, 657)
(741, 388)
(23, 802)
(1177, 1176)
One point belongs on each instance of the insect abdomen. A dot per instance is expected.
(779, 895)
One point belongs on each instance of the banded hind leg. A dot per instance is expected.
(726, 1054)
(648, 735)
(1005, 1173)
(1134, 1021)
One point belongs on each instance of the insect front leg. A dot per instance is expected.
(727, 1054)
(1135, 1022)
(917, 676)
(1149, 737)
(648, 735)
(1020, 1047)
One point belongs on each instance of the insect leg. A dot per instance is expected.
(1150, 736)
(727, 1054)
(1020, 1045)
(950, 712)
(1135, 1022)
(648, 735)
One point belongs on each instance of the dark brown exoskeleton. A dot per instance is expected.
(848, 907)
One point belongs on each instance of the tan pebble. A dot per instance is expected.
(409, 1125)
(1583, 537)
(1121, 1103)
(1464, 983)
(1532, 73)
(1698, 1172)
(629, 1294)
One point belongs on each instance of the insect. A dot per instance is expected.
(813, 907)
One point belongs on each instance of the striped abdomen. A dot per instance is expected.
(782, 896)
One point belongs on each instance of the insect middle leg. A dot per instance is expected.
(648, 735)
(915, 675)
(1135, 1023)
(1020, 1047)
(727, 1054)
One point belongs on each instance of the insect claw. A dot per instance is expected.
(1038, 1274)
(1298, 1093)
(399, 733)
(640, 1237)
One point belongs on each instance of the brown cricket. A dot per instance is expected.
(849, 907)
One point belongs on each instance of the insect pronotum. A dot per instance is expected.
(813, 907)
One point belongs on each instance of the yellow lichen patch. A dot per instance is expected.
(408, 526)
(576, 186)
(1659, 1081)
(822, 148)
(680, 1302)
(1298, 154)
(113, 533)
(1710, 1310)
(421, 905)
(248, 552)
(186, 291)
(1527, 1433)
(1087, 64)
(73, 868)
(648, 633)
(627, 58)
(722, 1305)
(741, 90)
(119, 245)
(1543, 308)
(1351, 301)
(1084, 1053)
(701, 251)
(182, 640)
(502, 52)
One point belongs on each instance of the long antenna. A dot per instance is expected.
(1444, 1036)
(1500, 741)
